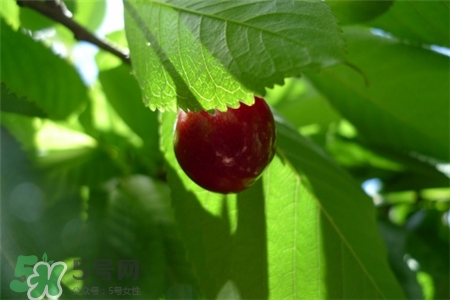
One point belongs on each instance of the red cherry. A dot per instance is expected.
(225, 152)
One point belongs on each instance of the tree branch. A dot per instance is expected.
(55, 10)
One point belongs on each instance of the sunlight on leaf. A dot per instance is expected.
(331, 252)
(53, 136)
(426, 281)
(197, 54)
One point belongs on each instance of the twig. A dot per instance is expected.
(55, 10)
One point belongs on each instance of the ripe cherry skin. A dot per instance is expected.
(225, 152)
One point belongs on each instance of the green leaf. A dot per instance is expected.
(64, 169)
(31, 70)
(300, 104)
(10, 102)
(351, 11)
(33, 20)
(138, 224)
(100, 116)
(423, 22)
(412, 179)
(124, 95)
(229, 292)
(397, 172)
(10, 11)
(106, 60)
(197, 54)
(69, 166)
(395, 111)
(324, 225)
(304, 230)
(90, 13)
(22, 128)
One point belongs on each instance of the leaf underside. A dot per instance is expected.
(205, 55)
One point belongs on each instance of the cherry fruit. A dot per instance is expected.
(225, 152)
